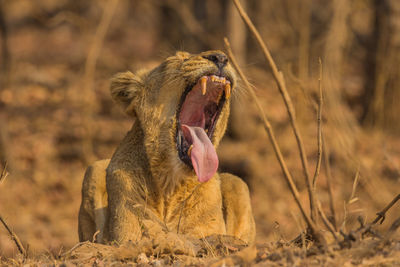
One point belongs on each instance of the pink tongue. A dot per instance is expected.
(203, 155)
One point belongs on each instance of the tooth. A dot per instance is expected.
(223, 80)
(203, 83)
(219, 97)
(227, 91)
(190, 150)
(213, 78)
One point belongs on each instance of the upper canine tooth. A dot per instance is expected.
(227, 91)
(213, 78)
(223, 80)
(203, 83)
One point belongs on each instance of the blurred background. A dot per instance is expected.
(56, 114)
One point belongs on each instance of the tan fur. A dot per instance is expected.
(146, 181)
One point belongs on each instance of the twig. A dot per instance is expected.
(320, 102)
(325, 220)
(271, 135)
(321, 144)
(382, 213)
(345, 214)
(351, 199)
(280, 81)
(94, 238)
(4, 173)
(90, 68)
(75, 247)
(364, 229)
(17, 242)
(353, 190)
(208, 246)
(14, 237)
(321, 149)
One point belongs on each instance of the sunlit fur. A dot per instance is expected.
(145, 171)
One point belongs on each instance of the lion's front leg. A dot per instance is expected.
(93, 210)
(238, 214)
(124, 225)
(124, 221)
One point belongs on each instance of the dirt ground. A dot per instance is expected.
(46, 107)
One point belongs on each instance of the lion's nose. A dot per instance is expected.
(218, 59)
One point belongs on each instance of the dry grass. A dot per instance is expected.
(215, 251)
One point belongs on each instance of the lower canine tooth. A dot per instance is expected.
(219, 97)
(203, 83)
(190, 150)
(227, 91)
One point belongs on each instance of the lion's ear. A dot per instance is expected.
(125, 87)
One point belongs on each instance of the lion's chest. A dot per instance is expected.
(197, 213)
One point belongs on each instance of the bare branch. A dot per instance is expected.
(14, 237)
(382, 213)
(4, 173)
(280, 81)
(353, 190)
(326, 221)
(271, 135)
(320, 102)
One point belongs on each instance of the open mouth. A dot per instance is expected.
(197, 117)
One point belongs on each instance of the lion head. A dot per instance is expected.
(183, 107)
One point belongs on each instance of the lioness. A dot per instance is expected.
(165, 169)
